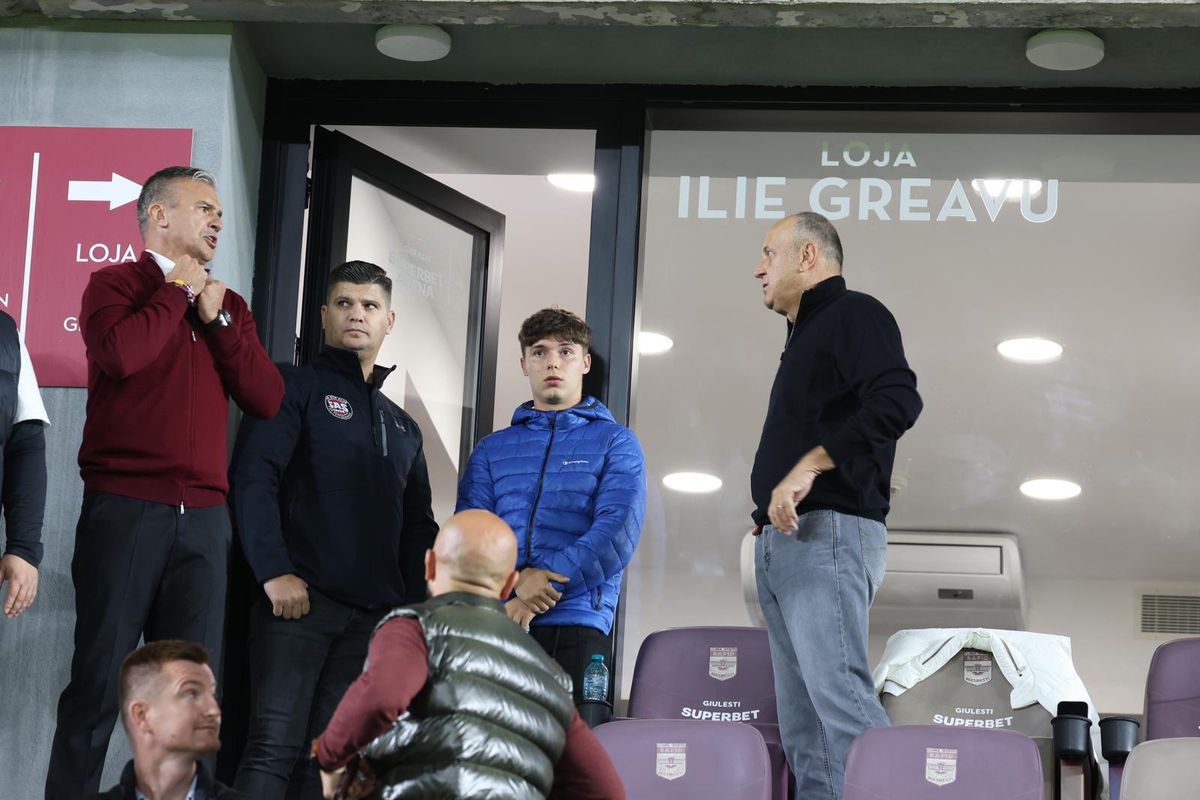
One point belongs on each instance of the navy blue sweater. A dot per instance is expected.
(334, 488)
(842, 383)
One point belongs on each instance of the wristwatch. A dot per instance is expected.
(223, 319)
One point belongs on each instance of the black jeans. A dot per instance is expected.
(139, 568)
(299, 670)
(573, 646)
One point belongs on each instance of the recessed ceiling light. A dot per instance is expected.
(1065, 50)
(651, 344)
(1050, 489)
(1030, 351)
(1011, 188)
(412, 42)
(692, 482)
(572, 182)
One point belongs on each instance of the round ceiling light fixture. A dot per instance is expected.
(1033, 350)
(572, 182)
(1050, 489)
(1064, 50)
(692, 482)
(412, 42)
(652, 344)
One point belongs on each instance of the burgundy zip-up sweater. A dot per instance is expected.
(159, 385)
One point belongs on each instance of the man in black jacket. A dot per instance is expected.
(332, 505)
(842, 396)
(170, 713)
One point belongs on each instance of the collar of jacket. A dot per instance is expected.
(147, 266)
(820, 294)
(346, 362)
(468, 599)
(589, 410)
(205, 787)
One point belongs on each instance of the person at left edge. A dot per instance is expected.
(331, 501)
(167, 346)
(23, 470)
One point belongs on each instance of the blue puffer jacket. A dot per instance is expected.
(572, 486)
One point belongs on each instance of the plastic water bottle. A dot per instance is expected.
(595, 680)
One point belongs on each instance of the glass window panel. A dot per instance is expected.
(1099, 254)
(429, 262)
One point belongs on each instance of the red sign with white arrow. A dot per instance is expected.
(67, 207)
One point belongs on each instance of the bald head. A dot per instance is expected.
(475, 552)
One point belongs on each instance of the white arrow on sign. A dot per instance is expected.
(116, 192)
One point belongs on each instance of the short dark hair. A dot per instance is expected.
(557, 324)
(813, 227)
(148, 660)
(158, 187)
(360, 273)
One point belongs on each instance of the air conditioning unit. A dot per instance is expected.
(950, 579)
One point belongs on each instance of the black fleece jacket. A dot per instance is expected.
(334, 488)
(842, 383)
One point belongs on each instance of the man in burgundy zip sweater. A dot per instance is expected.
(167, 346)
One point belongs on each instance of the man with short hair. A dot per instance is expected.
(167, 346)
(843, 394)
(22, 470)
(456, 701)
(571, 482)
(331, 501)
(169, 709)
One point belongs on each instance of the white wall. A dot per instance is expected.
(1102, 618)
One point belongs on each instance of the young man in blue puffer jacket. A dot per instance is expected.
(571, 483)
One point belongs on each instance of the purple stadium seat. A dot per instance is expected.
(1172, 711)
(717, 674)
(1173, 691)
(669, 759)
(920, 762)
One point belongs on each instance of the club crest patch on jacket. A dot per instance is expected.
(338, 406)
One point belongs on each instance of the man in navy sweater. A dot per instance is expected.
(331, 502)
(842, 396)
(571, 483)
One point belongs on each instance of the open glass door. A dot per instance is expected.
(443, 252)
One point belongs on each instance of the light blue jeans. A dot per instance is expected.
(815, 587)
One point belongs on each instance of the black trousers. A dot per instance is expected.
(573, 646)
(139, 568)
(299, 670)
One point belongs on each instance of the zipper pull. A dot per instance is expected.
(383, 432)
(193, 334)
(181, 503)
